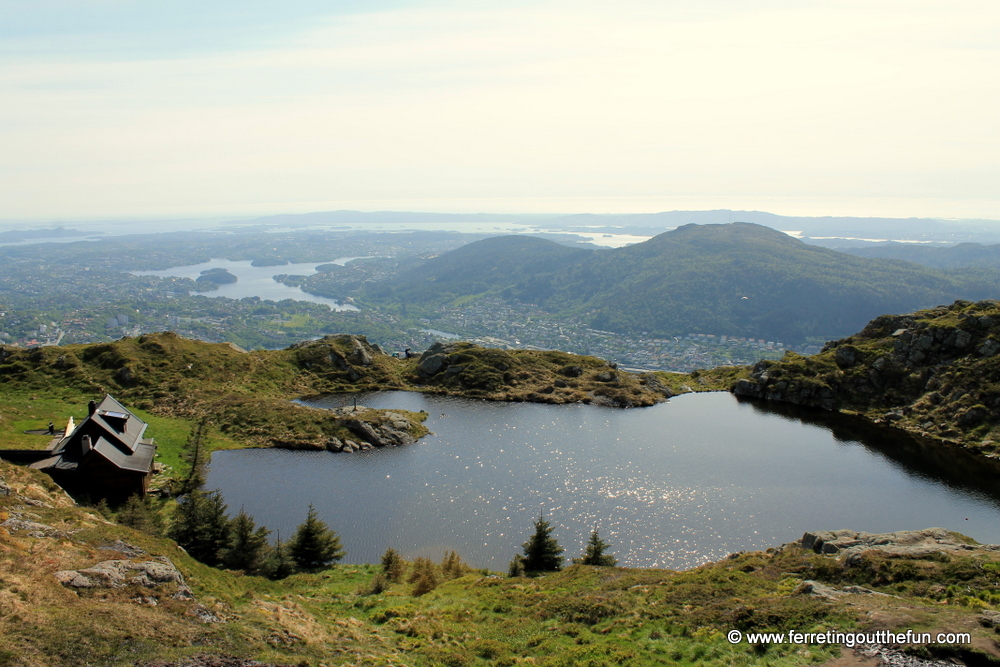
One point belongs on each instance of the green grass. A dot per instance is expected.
(298, 321)
(21, 412)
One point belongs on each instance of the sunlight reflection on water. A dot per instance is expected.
(673, 485)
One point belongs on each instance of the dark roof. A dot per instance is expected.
(115, 434)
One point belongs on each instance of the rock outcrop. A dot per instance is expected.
(934, 373)
(372, 429)
(848, 545)
(127, 572)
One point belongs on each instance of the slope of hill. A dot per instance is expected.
(934, 373)
(523, 267)
(951, 257)
(736, 279)
(79, 590)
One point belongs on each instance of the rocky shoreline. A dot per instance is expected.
(932, 374)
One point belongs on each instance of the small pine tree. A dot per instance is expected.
(594, 553)
(139, 512)
(423, 577)
(277, 564)
(201, 527)
(314, 546)
(452, 566)
(248, 546)
(541, 552)
(393, 565)
(516, 567)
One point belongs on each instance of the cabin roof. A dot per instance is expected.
(110, 431)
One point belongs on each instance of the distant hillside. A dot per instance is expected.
(934, 373)
(956, 256)
(522, 267)
(738, 279)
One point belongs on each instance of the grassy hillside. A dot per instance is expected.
(934, 373)
(737, 279)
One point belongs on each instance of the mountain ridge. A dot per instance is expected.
(734, 279)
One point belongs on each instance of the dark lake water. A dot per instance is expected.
(673, 485)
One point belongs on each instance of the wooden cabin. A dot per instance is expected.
(104, 456)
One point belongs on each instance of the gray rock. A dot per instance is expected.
(849, 544)
(846, 356)
(121, 573)
(990, 618)
(359, 355)
(817, 589)
(924, 342)
(989, 348)
(364, 430)
(204, 615)
(432, 364)
(37, 529)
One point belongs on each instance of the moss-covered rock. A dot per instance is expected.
(934, 373)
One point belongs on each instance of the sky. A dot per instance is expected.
(127, 108)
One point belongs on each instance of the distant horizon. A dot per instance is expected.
(53, 222)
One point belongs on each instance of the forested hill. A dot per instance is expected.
(522, 267)
(737, 279)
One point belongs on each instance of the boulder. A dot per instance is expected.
(432, 365)
(359, 355)
(846, 356)
(121, 573)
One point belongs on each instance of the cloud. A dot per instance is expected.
(493, 104)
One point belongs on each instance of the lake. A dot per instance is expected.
(256, 280)
(673, 485)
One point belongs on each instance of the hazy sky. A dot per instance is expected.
(858, 107)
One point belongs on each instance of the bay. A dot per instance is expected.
(256, 281)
